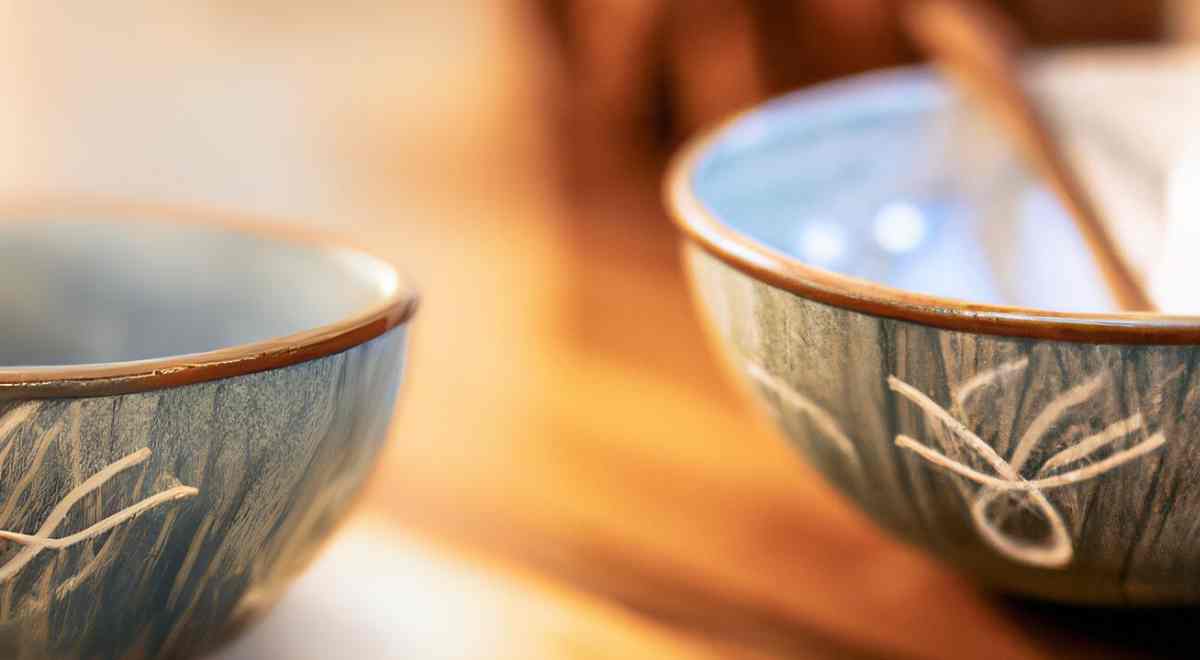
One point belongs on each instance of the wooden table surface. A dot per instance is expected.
(572, 476)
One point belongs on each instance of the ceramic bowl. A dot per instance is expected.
(186, 411)
(867, 263)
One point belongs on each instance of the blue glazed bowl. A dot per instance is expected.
(188, 407)
(924, 325)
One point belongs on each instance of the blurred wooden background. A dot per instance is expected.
(571, 474)
(638, 77)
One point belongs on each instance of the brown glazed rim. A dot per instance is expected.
(701, 225)
(157, 373)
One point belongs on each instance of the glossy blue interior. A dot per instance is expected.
(887, 177)
(98, 292)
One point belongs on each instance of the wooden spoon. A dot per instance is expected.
(979, 50)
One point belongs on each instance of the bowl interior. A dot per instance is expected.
(889, 179)
(91, 292)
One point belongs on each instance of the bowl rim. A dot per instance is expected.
(702, 226)
(394, 308)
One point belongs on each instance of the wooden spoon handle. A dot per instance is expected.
(979, 51)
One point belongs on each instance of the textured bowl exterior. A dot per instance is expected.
(1060, 470)
(156, 524)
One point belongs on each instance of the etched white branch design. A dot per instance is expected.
(42, 539)
(1007, 476)
(822, 420)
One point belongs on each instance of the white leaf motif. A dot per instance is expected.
(1056, 551)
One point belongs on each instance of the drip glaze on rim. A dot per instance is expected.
(701, 225)
(394, 308)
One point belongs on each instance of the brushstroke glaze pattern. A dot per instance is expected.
(1056, 469)
(156, 524)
